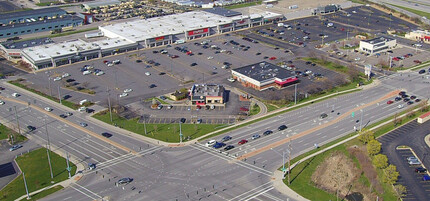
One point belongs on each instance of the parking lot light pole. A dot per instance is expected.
(59, 94)
(25, 184)
(49, 86)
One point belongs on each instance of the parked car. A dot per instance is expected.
(422, 71)
(228, 147)
(414, 162)
(218, 145)
(390, 102)
(210, 143)
(420, 170)
(15, 147)
(225, 138)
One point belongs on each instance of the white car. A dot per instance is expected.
(1, 102)
(65, 75)
(100, 73)
(357, 59)
(210, 143)
(123, 95)
(48, 109)
(117, 61)
(128, 90)
(110, 64)
(15, 94)
(210, 58)
(57, 79)
(400, 106)
(418, 45)
(81, 109)
(148, 73)
(87, 72)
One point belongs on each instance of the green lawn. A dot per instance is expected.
(36, 168)
(255, 109)
(5, 132)
(44, 193)
(162, 132)
(328, 64)
(418, 12)
(242, 5)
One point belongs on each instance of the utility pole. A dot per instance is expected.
(49, 161)
(110, 108)
(295, 94)
(17, 122)
(25, 184)
(47, 135)
(59, 94)
(11, 138)
(48, 149)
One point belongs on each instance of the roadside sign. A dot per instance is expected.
(352, 114)
(69, 169)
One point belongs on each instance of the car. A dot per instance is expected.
(405, 96)
(417, 100)
(48, 109)
(68, 114)
(258, 53)
(63, 116)
(57, 79)
(199, 121)
(152, 86)
(357, 59)
(228, 147)
(91, 166)
(159, 107)
(414, 162)
(426, 178)
(15, 147)
(1, 102)
(420, 170)
(83, 124)
(218, 145)
(182, 120)
(256, 136)
(81, 109)
(193, 64)
(406, 99)
(161, 73)
(125, 180)
(65, 75)
(422, 71)
(400, 106)
(225, 138)
(87, 72)
(174, 56)
(128, 90)
(138, 61)
(242, 142)
(209, 58)
(31, 128)
(2, 88)
(390, 102)
(268, 132)
(106, 135)
(282, 127)
(410, 102)
(323, 115)
(411, 158)
(169, 107)
(70, 80)
(398, 98)
(210, 143)
(413, 97)
(16, 95)
(100, 73)
(272, 58)
(123, 95)
(417, 61)
(148, 73)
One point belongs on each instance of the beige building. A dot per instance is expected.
(207, 94)
(419, 35)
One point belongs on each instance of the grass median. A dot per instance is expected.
(164, 132)
(37, 174)
(6, 132)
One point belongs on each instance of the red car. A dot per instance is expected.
(174, 56)
(242, 142)
(272, 58)
(396, 59)
(417, 61)
(390, 102)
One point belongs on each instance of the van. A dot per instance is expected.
(83, 101)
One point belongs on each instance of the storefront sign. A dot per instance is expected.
(159, 38)
(14, 54)
(198, 31)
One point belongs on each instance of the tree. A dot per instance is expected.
(400, 191)
(353, 74)
(366, 136)
(373, 147)
(333, 47)
(380, 161)
(390, 174)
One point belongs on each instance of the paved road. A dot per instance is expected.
(412, 135)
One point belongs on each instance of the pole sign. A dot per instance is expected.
(352, 114)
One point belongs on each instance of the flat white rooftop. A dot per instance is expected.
(142, 29)
(111, 43)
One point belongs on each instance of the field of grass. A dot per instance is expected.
(162, 132)
(242, 5)
(328, 64)
(5, 132)
(36, 168)
(64, 102)
(44, 193)
(255, 109)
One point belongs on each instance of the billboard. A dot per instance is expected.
(198, 31)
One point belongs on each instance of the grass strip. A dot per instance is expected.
(6, 132)
(418, 12)
(44, 193)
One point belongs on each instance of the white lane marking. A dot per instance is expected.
(88, 190)
(259, 193)
(247, 192)
(84, 193)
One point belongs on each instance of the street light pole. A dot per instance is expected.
(110, 108)
(49, 85)
(59, 94)
(68, 167)
(361, 119)
(180, 132)
(49, 162)
(25, 184)
(48, 149)
(17, 121)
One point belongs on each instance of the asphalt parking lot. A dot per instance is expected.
(412, 135)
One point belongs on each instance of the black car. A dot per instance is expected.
(161, 73)
(63, 116)
(420, 170)
(397, 98)
(323, 115)
(413, 97)
(308, 62)
(258, 53)
(266, 57)
(410, 102)
(406, 99)
(193, 64)
(282, 127)
(404, 96)
(106, 135)
(152, 86)
(422, 71)
(402, 93)
(417, 100)
(31, 128)
(183, 120)
(70, 80)
(138, 61)
(228, 147)
(268, 132)
(125, 180)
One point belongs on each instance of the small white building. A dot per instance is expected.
(379, 44)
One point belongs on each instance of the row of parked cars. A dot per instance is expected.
(219, 144)
(409, 100)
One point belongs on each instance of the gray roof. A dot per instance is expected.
(222, 11)
(27, 43)
(65, 18)
(264, 71)
(50, 11)
(207, 90)
(378, 40)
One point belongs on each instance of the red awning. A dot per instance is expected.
(200, 103)
(293, 79)
(427, 37)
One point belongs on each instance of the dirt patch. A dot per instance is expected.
(336, 173)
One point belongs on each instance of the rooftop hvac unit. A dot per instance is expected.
(262, 64)
(57, 52)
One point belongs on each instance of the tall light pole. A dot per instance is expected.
(180, 132)
(110, 108)
(17, 122)
(48, 149)
(68, 167)
(59, 94)
(49, 86)
(25, 184)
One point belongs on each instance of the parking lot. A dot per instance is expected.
(412, 135)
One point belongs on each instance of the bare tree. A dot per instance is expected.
(353, 74)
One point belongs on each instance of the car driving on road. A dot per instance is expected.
(15, 147)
